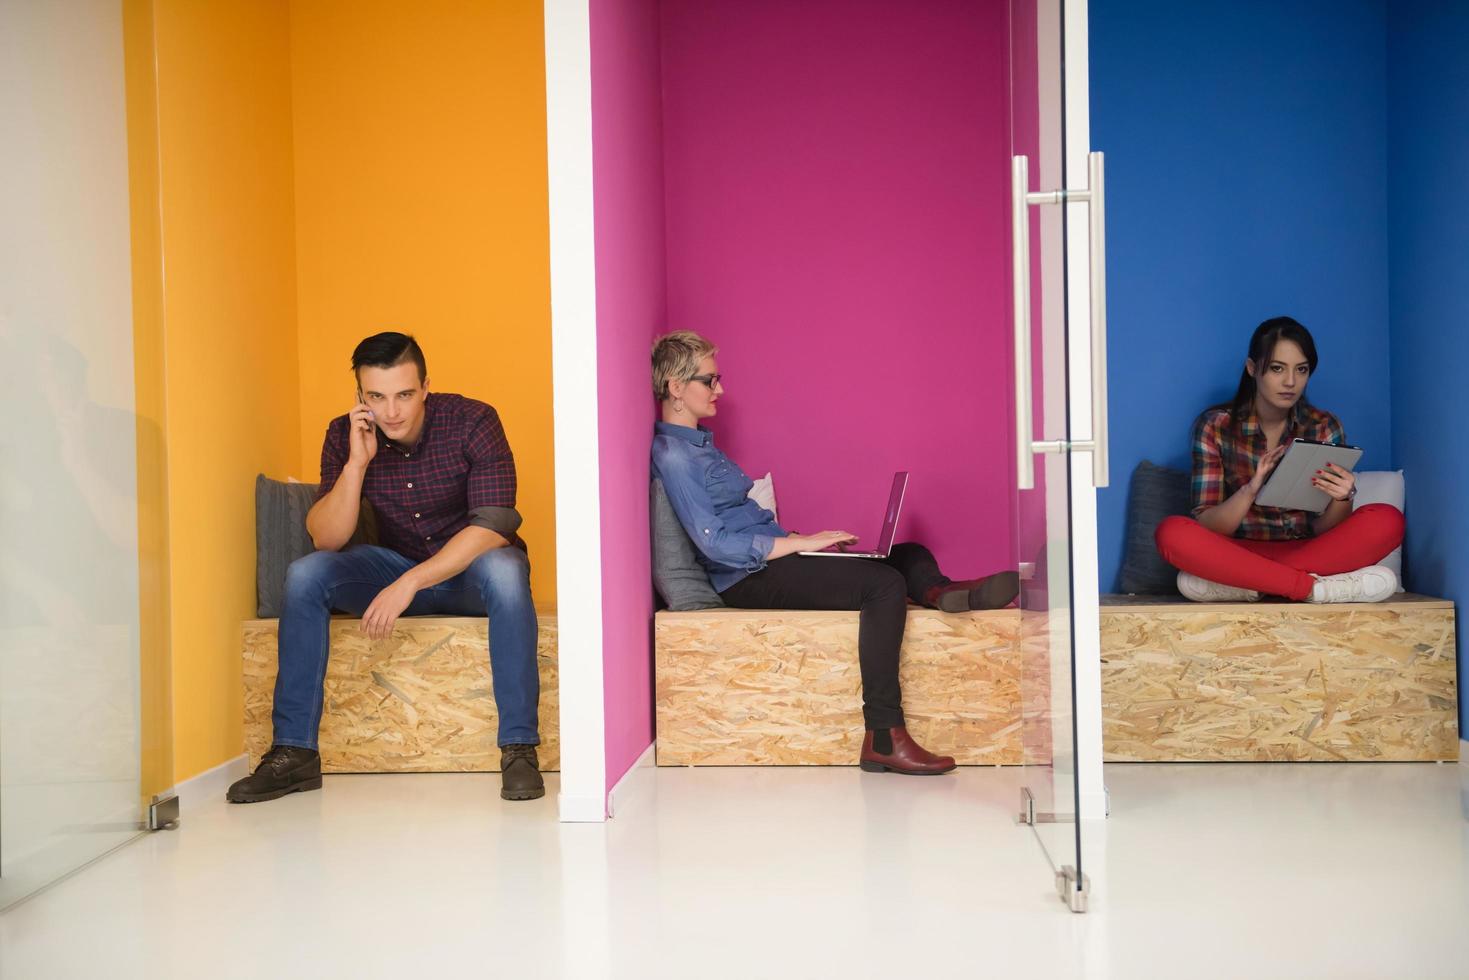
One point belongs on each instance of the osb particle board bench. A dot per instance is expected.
(1181, 681)
(1278, 681)
(419, 701)
(738, 687)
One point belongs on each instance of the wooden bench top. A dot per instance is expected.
(1110, 603)
(730, 614)
(544, 615)
(1162, 603)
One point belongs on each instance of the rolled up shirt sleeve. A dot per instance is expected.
(683, 481)
(491, 485)
(504, 521)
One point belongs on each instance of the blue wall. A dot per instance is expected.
(1246, 177)
(1428, 127)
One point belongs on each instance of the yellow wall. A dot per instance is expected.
(317, 171)
(229, 310)
(148, 386)
(421, 206)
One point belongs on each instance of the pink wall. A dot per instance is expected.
(820, 188)
(836, 185)
(627, 135)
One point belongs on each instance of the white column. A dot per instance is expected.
(574, 379)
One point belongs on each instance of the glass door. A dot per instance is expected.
(85, 745)
(1049, 430)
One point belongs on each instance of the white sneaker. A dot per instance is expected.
(1375, 583)
(1202, 590)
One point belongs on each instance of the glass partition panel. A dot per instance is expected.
(1043, 437)
(70, 678)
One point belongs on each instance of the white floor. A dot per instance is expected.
(1257, 871)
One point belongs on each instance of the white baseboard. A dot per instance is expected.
(582, 809)
(209, 786)
(635, 783)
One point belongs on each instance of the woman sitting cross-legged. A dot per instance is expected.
(753, 562)
(1233, 549)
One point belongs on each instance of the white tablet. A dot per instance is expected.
(1290, 486)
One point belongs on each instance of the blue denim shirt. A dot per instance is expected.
(732, 533)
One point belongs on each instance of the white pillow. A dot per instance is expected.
(763, 493)
(1383, 487)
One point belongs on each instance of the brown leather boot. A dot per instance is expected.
(991, 592)
(520, 773)
(284, 769)
(905, 756)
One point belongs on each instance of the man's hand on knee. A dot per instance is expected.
(382, 615)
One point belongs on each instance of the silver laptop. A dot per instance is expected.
(889, 525)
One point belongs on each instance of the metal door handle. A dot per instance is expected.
(1020, 200)
(1020, 279)
(1097, 226)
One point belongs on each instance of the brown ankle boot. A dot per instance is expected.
(906, 756)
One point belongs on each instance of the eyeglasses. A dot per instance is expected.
(709, 381)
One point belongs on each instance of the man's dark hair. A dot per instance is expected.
(385, 350)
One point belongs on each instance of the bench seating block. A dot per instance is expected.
(1278, 681)
(779, 687)
(419, 701)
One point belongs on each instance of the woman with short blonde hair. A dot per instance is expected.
(676, 357)
(754, 563)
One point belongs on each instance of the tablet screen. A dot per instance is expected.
(1289, 487)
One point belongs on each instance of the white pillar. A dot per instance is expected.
(574, 379)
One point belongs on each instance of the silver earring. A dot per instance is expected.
(678, 405)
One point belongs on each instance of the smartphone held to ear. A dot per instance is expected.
(363, 402)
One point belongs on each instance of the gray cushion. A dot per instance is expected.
(677, 574)
(1157, 492)
(281, 538)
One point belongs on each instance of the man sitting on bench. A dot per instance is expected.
(440, 476)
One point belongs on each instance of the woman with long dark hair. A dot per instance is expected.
(1232, 549)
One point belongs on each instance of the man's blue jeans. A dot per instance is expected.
(496, 584)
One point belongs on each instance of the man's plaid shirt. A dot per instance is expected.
(460, 472)
(1226, 454)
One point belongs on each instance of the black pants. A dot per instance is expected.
(879, 589)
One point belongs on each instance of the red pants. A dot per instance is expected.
(1281, 567)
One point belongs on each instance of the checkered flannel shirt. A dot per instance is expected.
(1226, 454)
(460, 472)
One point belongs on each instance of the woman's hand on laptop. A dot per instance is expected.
(793, 543)
(828, 539)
